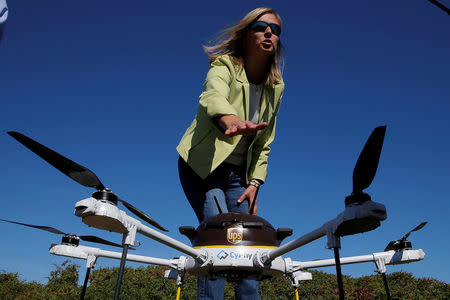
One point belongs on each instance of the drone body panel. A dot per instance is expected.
(235, 263)
(233, 241)
(234, 230)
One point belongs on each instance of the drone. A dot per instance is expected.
(231, 246)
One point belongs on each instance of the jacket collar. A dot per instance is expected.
(241, 76)
(270, 95)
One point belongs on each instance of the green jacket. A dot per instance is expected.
(226, 91)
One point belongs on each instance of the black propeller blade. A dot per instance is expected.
(96, 239)
(418, 227)
(403, 243)
(142, 215)
(367, 163)
(441, 6)
(76, 172)
(87, 238)
(46, 228)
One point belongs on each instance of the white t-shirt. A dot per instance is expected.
(238, 156)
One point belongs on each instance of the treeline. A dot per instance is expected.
(149, 283)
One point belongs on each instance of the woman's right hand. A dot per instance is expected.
(234, 126)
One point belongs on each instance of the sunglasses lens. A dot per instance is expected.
(261, 26)
(276, 29)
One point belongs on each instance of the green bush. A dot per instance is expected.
(149, 283)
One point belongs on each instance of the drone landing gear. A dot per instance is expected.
(129, 238)
(86, 278)
(180, 282)
(90, 263)
(339, 273)
(296, 277)
(121, 268)
(381, 269)
(386, 286)
(179, 276)
(334, 242)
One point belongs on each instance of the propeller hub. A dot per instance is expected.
(399, 245)
(70, 239)
(356, 198)
(107, 195)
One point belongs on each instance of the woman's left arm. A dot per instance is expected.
(258, 167)
(260, 152)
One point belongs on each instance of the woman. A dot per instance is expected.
(224, 152)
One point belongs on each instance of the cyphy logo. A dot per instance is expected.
(235, 235)
(233, 255)
(222, 255)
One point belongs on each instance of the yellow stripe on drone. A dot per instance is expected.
(227, 246)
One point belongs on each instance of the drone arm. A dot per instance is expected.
(83, 252)
(388, 258)
(303, 240)
(140, 259)
(106, 216)
(177, 245)
(331, 262)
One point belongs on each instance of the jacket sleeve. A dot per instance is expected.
(216, 89)
(261, 150)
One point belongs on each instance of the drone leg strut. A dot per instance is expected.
(386, 286)
(339, 273)
(178, 292)
(180, 282)
(296, 294)
(380, 263)
(121, 269)
(86, 278)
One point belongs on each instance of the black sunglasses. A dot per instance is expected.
(260, 26)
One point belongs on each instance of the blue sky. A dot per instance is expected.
(114, 84)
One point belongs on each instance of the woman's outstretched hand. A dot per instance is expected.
(251, 194)
(234, 126)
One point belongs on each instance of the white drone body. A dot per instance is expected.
(233, 262)
(229, 262)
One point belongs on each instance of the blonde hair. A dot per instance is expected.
(231, 42)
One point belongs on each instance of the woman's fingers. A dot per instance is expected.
(245, 128)
(261, 126)
(255, 209)
(243, 197)
(250, 195)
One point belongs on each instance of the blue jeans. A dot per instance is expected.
(226, 186)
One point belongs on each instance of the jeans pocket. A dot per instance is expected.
(234, 178)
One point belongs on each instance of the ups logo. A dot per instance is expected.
(235, 235)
